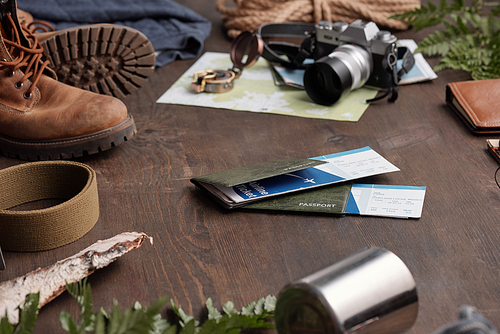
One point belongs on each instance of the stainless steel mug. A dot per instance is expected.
(370, 291)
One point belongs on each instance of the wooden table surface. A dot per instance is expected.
(200, 250)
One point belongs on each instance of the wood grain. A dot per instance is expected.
(201, 250)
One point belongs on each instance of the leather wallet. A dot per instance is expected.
(477, 103)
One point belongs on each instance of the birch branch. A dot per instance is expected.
(51, 281)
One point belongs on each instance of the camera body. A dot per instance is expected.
(329, 36)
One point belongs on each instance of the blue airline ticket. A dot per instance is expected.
(343, 166)
(386, 200)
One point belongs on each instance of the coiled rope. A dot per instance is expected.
(250, 14)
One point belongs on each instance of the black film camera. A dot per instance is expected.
(347, 56)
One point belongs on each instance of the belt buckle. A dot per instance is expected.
(2, 262)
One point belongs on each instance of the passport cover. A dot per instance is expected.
(328, 199)
(350, 198)
(477, 103)
(240, 186)
(233, 177)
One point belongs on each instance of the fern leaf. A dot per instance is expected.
(470, 40)
(100, 323)
(229, 309)
(68, 323)
(442, 5)
(5, 326)
(424, 17)
(149, 318)
(496, 11)
(249, 309)
(81, 291)
(214, 327)
(270, 303)
(247, 322)
(189, 327)
(434, 44)
(28, 314)
(462, 25)
(114, 319)
(259, 307)
(184, 318)
(213, 313)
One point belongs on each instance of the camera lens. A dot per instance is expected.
(330, 78)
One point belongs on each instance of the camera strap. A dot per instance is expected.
(390, 62)
(280, 37)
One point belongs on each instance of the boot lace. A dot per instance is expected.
(37, 26)
(27, 58)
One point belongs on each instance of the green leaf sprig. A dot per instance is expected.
(470, 40)
(144, 320)
(254, 315)
(28, 314)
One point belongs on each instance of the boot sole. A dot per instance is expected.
(103, 58)
(68, 148)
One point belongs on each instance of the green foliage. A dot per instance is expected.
(470, 40)
(136, 319)
(82, 293)
(254, 315)
(27, 317)
(142, 320)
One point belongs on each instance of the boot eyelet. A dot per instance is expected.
(18, 85)
(27, 96)
(4, 60)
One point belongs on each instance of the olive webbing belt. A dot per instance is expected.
(43, 229)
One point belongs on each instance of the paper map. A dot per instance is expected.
(255, 91)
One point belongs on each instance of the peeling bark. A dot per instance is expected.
(51, 281)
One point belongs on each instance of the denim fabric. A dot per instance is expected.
(174, 30)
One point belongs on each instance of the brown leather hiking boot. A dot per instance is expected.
(104, 58)
(42, 118)
(24, 17)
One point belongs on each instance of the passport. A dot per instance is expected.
(350, 199)
(327, 200)
(241, 186)
(321, 184)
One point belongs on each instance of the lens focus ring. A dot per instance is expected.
(358, 60)
(330, 78)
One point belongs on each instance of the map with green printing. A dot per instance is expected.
(255, 91)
